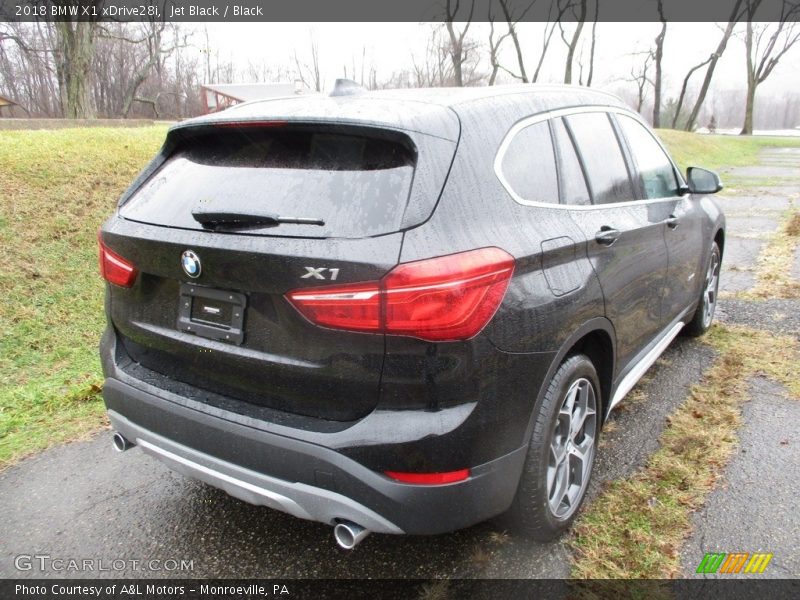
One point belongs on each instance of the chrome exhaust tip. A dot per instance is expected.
(348, 535)
(121, 443)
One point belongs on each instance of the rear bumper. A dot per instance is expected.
(297, 499)
(330, 470)
(305, 479)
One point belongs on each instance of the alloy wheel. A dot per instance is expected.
(572, 449)
(710, 293)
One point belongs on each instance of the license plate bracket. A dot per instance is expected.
(212, 313)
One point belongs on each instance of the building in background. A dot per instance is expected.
(9, 108)
(219, 96)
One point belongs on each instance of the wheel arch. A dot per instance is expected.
(719, 238)
(597, 339)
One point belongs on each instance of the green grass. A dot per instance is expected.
(719, 152)
(56, 188)
(635, 528)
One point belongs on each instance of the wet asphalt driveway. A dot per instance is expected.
(84, 501)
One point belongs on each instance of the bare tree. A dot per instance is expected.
(592, 46)
(356, 72)
(138, 69)
(553, 20)
(74, 52)
(766, 44)
(736, 14)
(679, 104)
(459, 52)
(434, 68)
(155, 54)
(494, 48)
(207, 51)
(27, 73)
(9, 35)
(512, 21)
(310, 74)
(594, 42)
(658, 57)
(640, 76)
(579, 10)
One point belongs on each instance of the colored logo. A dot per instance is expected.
(738, 562)
(191, 264)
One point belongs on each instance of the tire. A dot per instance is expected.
(707, 303)
(554, 479)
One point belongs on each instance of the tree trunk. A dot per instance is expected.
(520, 60)
(594, 40)
(456, 55)
(574, 43)
(712, 65)
(747, 128)
(752, 83)
(512, 30)
(659, 56)
(494, 47)
(545, 45)
(74, 55)
(682, 95)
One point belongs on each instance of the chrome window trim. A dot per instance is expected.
(563, 112)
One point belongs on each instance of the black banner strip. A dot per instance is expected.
(389, 10)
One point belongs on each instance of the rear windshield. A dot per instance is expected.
(356, 183)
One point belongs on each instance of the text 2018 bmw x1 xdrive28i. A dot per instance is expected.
(401, 311)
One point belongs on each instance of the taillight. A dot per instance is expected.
(439, 299)
(429, 478)
(114, 268)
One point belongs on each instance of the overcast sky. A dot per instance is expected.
(389, 47)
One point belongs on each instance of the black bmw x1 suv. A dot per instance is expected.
(401, 311)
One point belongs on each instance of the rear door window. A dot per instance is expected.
(358, 184)
(599, 148)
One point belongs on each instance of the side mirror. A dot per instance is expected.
(702, 181)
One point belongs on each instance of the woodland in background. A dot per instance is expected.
(155, 69)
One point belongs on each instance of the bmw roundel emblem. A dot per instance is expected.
(191, 264)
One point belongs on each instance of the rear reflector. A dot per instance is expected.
(114, 268)
(429, 478)
(439, 299)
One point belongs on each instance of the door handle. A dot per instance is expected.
(607, 235)
(672, 222)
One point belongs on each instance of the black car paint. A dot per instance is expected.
(388, 402)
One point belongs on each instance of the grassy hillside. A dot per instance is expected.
(718, 152)
(56, 188)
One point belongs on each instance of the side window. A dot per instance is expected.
(653, 165)
(602, 157)
(529, 165)
(570, 174)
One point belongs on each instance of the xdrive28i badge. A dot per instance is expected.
(191, 264)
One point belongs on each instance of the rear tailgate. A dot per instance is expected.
(283, 361)
(231, 330)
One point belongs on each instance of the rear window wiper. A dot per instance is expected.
(216, 219)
